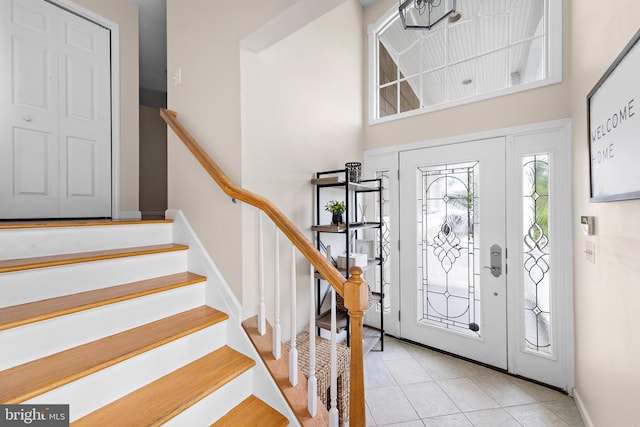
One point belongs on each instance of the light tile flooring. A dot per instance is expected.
(407, 385)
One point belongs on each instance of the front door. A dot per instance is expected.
(452, 234)
(55, 120)
(484, 259)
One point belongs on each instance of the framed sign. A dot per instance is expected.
(613, 108)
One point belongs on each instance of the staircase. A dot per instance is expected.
(106, 317)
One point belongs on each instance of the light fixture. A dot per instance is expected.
(424, 14)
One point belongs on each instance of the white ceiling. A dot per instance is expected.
(290, 20)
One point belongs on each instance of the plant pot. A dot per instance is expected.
(336, 218)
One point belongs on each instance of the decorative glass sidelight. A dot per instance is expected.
(448, 256)
(537, 309)
(384, 282)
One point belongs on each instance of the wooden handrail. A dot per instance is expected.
(354, 290)
(324, 267)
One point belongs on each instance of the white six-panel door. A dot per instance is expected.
(55, 123)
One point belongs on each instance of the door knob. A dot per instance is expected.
(26, 118)
(496, 261)
(494, 270)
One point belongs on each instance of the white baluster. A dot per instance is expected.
(312, 383)
(333, 412)
(277, 340)
(293, 353)
(262, 313)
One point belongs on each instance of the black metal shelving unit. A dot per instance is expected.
(351, 229)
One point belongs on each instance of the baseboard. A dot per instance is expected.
(586, 419)
(221, 297)
(129, 215)
(153, 214)
(183, 233)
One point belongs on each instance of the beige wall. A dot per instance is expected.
(204, 42)
(548, 103)
(607, 293)
(301, 113)
(125, 15)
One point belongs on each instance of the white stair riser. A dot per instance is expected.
(217, 404)
(100, 388)
(29, 342)
(42, 283)
(34, 242)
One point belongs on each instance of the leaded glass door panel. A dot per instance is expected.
(452, 211)
(539, 238)
(384, 166)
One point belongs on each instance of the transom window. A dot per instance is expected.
(497, 47)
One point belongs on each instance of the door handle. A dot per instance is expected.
(26, 118)
(496, 261)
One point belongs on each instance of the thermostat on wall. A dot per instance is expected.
(588, 225)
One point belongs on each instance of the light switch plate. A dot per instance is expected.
(177, 77)
(590, 250)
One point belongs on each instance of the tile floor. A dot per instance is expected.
(407, 385)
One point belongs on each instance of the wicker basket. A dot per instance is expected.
(323, 371)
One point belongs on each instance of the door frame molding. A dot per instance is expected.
(561, 248)
(470, 137)
(568, 348)
(114, 37)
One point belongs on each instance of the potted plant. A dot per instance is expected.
(337, 208)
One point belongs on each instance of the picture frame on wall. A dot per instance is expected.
(613, 117)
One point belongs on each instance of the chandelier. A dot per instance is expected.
(424, 14)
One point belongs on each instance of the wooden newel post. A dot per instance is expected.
(356, 297)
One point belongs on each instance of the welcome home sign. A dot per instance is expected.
(613, 107)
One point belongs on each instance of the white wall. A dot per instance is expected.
(607, 292)
(301, 113)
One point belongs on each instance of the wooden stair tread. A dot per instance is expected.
(163, 399)
(279, 369)
(252, 412)
(39, 376)
(23, 314)
(74, 258)
(12, 225)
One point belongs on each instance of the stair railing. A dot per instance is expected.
(353, 290)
